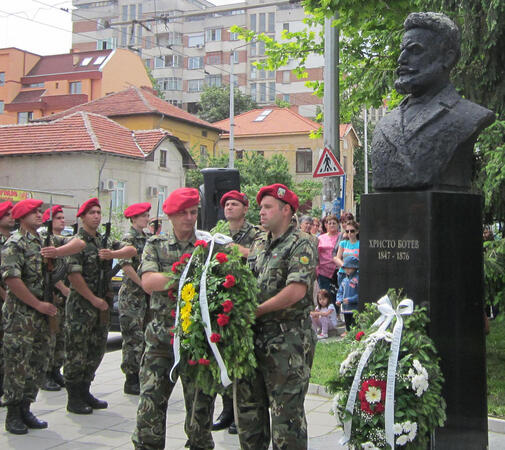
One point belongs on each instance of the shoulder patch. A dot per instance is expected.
(304, 259)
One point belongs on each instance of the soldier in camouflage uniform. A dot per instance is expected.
(26, 333)
(6, 225)
(87, 313)
(235, 205)
(160, 253)
(133, 300)
(284, 261)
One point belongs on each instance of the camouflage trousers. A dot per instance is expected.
(132, 320)
(155, 391)
(1, 341)
(280, 384)
(85, 339)
(57, 346)
(25, 347)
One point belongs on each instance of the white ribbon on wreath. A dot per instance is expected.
(405, 307)
(217, 238)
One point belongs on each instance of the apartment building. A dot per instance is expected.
(187, 44)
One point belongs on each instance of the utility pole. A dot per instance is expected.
(331, 131)
(231, 158)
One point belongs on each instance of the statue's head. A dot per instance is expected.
(430, 48)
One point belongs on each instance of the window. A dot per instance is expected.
(25, 117)
(1, 106)
(253, 22)
(159, 62)
(75, 87)
(234, 55)
(285, 26)
(139, 34)
(271, 22)
(196, 40)
(195, 62)
(167, 61)
(233, 36)
(133, 11)
(213, 35)
(271, 92)
(177, 103)
(304, 160)
(213, 80)
(285, 97)
(262, 74)
(252, 49)
(162, 195)
(86, 61)
(106, 44)
(163, 158)
(170, 84)
(118, 195)
(195, 85)
(100, 59)
(253, 91)
(124, 36)
(204, 154)
(254, 71)
(262, 24)
(261, 48)
(214, 58)
(124, 13)
(263, 115)
(286, 75)
(263, 92)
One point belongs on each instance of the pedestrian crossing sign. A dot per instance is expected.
(328, 166)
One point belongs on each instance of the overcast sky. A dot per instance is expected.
(40, 26)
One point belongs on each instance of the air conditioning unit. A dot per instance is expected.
(107, 185)
(152, 191)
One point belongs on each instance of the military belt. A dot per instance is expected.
(282, 326)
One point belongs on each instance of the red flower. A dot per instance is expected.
(175, 265)
(222, 320)
(192, 362)
(171, 333)
(201, 242)
(172, 313)
(227, 306)
(171, 341)
(222, 257)
(372, 408)
(171, 295)
(359, 335)
(215, 337)
(204, 362)
(184, 258)
(230, 281)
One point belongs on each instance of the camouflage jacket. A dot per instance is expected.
(276, 263)
(159, 254)
(138, 240)
(87, 262)
(21, 258)
(246, 235)
(3, 240)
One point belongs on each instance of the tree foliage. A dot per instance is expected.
(215, 103)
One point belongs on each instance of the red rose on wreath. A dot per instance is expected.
(204, 362)
(227, 306)
(215, 337)
(222, 320)
(171, 295)
(372, 396)
(171, 341)
(201, 242)
(175, 265)
(172, 313)
(230, 281)
(221, 257)
(192, 362)
(359, 335)
(184, 258)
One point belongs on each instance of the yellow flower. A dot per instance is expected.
(188, 292)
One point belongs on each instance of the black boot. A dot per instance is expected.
(13, 422)
(132, 384)
(29, 418)
(49, 384)
(94, 402)
(76, 403)
(233, 428)
(225, 419)
(57, 376)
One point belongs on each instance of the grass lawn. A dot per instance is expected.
(326, 354)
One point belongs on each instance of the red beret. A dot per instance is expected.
(47, 214)
(87, 205)
(280, 192)
(136, 209)
(234, 195)
(25, 207)
(180, 199)
(4, 208)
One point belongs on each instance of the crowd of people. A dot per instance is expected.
(286, 260)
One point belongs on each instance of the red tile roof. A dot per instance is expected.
(278, 121)
(29, 96)
(133, 101)
(67, 62)
(79, 132)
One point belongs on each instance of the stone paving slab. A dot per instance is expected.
(112, 428)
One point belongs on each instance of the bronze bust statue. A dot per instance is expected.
(427, 141)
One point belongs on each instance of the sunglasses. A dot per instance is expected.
(350, 231)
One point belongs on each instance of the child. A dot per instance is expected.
(347, 295)
(325, 315)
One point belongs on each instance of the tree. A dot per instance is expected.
(215, 103)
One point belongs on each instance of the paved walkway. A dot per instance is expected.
(112, 428)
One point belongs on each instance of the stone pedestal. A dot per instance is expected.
(430, 245)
